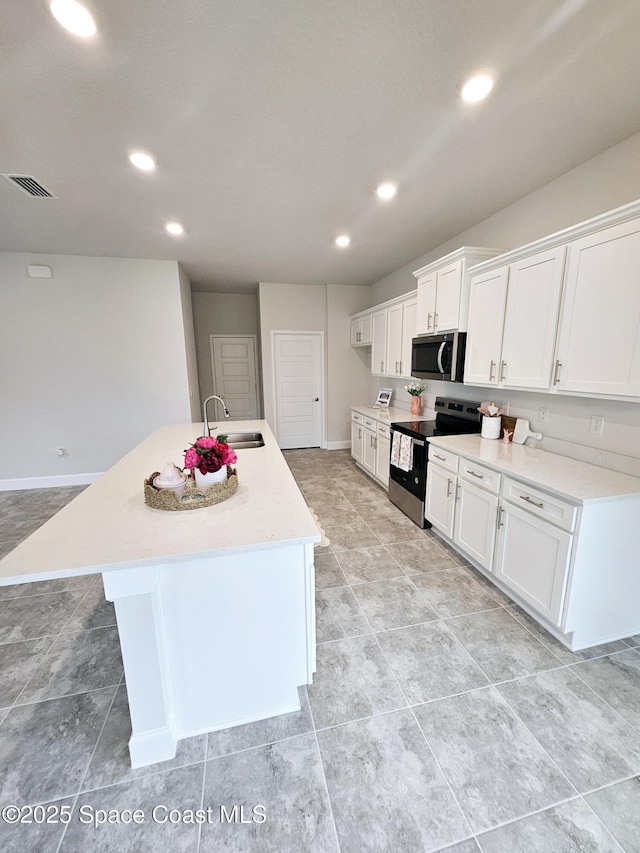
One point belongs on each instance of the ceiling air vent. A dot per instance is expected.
(29, 185)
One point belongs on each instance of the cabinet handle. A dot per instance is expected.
(556, 375)
(382, 367)
(529, 501)
(458, 492)
(449, 481)
(359, 335)
(503, 371)
(397, 367)
(435, 321)
(429, 321)
(359, 433)
(500, 522)
(473, 474)
(491, 369)
(443, 458)
(400, 367)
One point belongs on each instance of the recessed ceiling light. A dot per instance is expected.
(386, 191)
(174, 228)
(143, 161)
(477, 86)
(343, 241)
(73, 17)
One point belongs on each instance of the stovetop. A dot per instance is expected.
(453, 417)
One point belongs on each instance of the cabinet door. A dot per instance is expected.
(532, 559)
(356, 441)
(369, 451)
(408, 333)
(365, 329)
(531, 320)
(426, 304)
(487, 302)
(383, 453)
(475, 522)
(440, 498)
(599, 340)
(394, 340)
(379, 343)
(355, 332)
(448, 291)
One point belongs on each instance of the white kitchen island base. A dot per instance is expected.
(212, 642)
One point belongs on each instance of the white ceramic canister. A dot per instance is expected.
(211, 477)
(491, 427)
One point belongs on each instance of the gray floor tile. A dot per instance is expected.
(420, 556)
(634, 642)
(179, 789)
(397, 531)
(81, 582)
(619, 807)
(617, 680)
(34, 616)
(589, 741)
(262, 732)
(338, 515)
(347, 536)
(45, 748)
(393, 603)
(386, 789)
(559, 649)
(18, 662)
(567, 828)
(488, 586)
(286, 778)
(468, 846)
(502, 647)
(328, 571)
(93, 611)
(111, 764)
(76, 663)
(352, 681)
(429, 663)
(35, 837)
(362, 565)
(496, 768)
(453, 592)
(338, 615)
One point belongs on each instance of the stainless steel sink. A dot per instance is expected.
(242, 440)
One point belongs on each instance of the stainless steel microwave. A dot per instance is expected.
(439, 356)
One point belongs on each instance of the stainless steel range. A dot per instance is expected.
(407, 488)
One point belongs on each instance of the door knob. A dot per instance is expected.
(315, 399)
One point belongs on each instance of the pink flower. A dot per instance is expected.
(191, 458)
(227, 454)
(207, 442)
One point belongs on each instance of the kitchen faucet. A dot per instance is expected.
(205, 428)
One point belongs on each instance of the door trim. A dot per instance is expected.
(255, 364)
(319, 333)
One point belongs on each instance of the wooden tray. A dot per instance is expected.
(193, 497)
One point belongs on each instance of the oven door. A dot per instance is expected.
(415, 480)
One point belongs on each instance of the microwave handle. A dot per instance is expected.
(440, 351)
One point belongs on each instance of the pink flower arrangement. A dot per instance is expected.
(209, 455)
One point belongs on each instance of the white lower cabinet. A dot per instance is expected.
(369, 451)
(474, 528)
(371, 446)
(383, 452)
(532, 559)
(440, 499)
(357, 437)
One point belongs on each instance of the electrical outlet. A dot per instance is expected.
(61, 451)
(543, 415)
(597, 424)
(504, 405)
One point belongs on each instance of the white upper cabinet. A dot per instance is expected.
(401, 327)
(379, 342)
(361, 331)
(513, 316)
(443, 290)
(389, 329)
(409, 316)
(599, 341)
(486, 323)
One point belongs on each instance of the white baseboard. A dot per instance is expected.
(338, 445)
(48, 482)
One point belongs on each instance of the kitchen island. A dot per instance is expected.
(215, 606)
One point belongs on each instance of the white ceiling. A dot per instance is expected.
(274, 120)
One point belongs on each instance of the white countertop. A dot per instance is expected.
(569, 478)
(108, 525)
(393, 414)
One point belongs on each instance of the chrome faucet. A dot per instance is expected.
(205, 428)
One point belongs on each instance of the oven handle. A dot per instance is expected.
(414, 440)
(440, 351)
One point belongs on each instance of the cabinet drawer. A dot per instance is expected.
(369, 422)
(481, 476)
(383, 429)
(356, 417)
(553, 509)
(443, 458)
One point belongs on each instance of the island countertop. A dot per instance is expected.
(577, 481)
(109, 526)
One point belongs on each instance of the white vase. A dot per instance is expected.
(211, 477)
(491, 427)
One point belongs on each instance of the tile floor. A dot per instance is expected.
(441, 716)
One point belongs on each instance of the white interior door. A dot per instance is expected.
(297, 363)
(233, 366)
